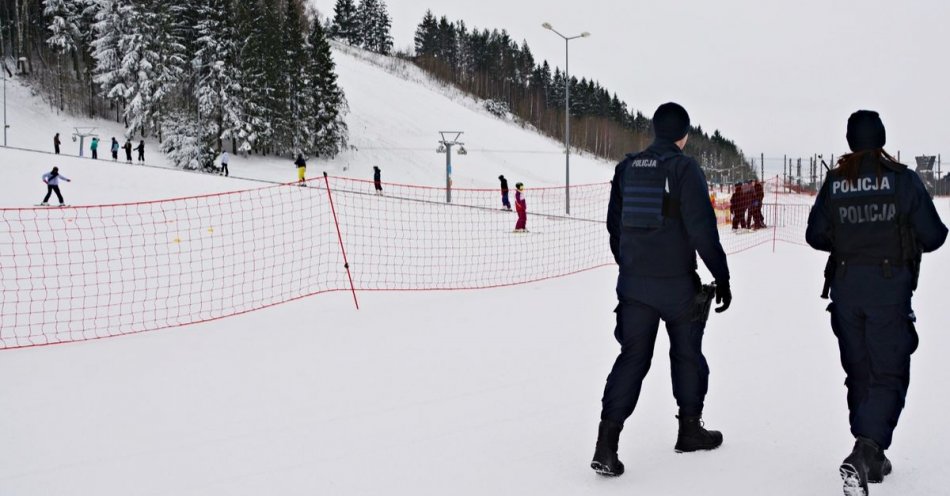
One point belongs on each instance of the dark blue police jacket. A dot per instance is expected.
(860, 222)
(688, 225)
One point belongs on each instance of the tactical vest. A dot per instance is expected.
(869, 226)
(646, 192)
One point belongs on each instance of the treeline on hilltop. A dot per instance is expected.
(256, 75)
(492, 66)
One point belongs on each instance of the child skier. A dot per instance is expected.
(51, 179)
(521, 206)
(504, 192)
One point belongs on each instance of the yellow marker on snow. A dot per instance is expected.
(177, 240)
(210, 229)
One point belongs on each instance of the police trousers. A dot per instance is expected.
(636, 331)
(876, 343)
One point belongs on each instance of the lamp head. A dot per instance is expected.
(547, 25)
(585, 34)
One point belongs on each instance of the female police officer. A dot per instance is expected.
(875, 218)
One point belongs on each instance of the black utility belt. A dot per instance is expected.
(874, 262)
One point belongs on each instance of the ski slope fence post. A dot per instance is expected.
(775, 216)
(336, 222)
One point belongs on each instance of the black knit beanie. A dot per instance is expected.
(866, 131)
(670, 122)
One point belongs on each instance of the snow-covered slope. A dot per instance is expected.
(396, 113)
(461, 393)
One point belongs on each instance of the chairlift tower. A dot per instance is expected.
(82, 133)
(445, 146)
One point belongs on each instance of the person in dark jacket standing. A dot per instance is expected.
(141, 150)
(377, 180)
(128, 150)
(56, 143)
(301, 170)
(114, 148)
(504, 192)
(876, 219)
(659, 217)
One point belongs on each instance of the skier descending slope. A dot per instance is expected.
(658, 218)
(875, 217)
(51, 179)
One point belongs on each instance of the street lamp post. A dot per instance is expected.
(3, 68)
(567, 112)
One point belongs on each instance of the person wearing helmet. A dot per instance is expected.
(521, 206)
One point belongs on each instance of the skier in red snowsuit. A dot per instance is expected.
(522, 208)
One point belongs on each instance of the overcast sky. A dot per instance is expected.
(776, 77)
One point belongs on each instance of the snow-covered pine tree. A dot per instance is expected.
(64, 24)
(427, 36)
(253, 60)
(160, 65)
(382, 38)
(217, 86)
(293, 129)
(171, 61)
(113, 51)
(556, 94)
(326, 118)
(345, 25)
(272, 89)
(366, 18)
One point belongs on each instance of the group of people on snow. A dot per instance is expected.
(114, 148)
(873, 215)
(521, 205)
(745, 205)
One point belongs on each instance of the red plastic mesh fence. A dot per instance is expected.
(80, 273)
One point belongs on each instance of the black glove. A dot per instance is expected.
(723, 296)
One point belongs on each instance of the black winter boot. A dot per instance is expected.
(605, 460)
(879, 467)
(694, 437)
(855, 468)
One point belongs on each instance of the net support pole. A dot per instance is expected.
(339, 235)
(775, 218)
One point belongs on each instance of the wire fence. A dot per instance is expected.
(81, 273)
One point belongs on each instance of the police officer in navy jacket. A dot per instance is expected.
(876, 219)
(659, 218)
